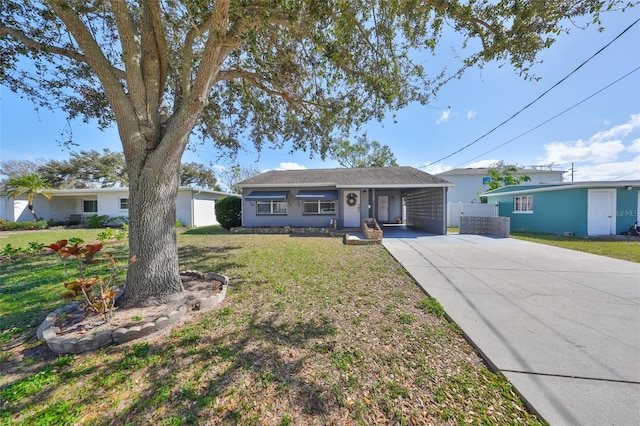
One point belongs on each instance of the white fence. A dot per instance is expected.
(455, 210)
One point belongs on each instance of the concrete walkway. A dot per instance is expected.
(561, 325)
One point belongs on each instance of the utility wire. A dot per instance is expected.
(536, 99)
(554, 117)
(627, 174)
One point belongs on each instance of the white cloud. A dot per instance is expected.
(581, 151)
(437, 169)
(290, 166)
(444, 117)
(624, 170)
(471, 114)
(602, 147)
(635, 146)
(617, 132)
(219, 168)
(481, 164)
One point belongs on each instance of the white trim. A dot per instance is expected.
(563, 187)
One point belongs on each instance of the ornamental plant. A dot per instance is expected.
(97, 293)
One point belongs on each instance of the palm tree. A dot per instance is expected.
(29, 185)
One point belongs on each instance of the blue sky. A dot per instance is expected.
(600, 136)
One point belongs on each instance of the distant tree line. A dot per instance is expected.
(94, 169)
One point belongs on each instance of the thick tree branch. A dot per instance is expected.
(129, 40)
(120, 104)
(36, 46)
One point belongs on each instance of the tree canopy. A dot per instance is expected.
(503, 174)
(92, 169)
(238, 173)
(198, 175)
(363, 153)
(295, 73)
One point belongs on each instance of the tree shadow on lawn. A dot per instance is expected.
(200, 371)
(208, 259)
(208, 230)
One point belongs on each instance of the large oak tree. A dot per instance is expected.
(292, 73)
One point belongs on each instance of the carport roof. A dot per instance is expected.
(378, 177)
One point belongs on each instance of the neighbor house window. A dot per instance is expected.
(124, 204)
(319, 207)
(90, 206)
(271, 207)
(523, 204)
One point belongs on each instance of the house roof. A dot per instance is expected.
(79, 191)
(561, 186)
(484, 171)
(379, 177)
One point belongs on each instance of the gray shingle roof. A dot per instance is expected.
(356, 177)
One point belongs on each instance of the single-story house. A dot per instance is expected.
(580, 208)
(194, 206)
(343, 197)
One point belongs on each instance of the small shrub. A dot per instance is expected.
(35, 247)
(97, 221)
(117, 221)
(23, 226)
(110, 235)
(11, 252)
(55, 222)
(229, 212)
(98, 294)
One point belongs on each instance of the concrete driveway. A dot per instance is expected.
(561, 325)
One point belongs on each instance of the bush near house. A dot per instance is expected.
(23, 226)
(229, 212)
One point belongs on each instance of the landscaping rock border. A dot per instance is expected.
(73, 345)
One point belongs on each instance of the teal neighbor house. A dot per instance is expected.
(578, 208)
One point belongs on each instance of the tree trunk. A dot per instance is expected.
(33, 211)
(154, 277)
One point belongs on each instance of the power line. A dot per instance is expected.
(554, 117)
(626, 174)
(536, 99)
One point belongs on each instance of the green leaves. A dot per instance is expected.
(363, 154)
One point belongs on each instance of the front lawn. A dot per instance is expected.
(311, 332)
(618, 247)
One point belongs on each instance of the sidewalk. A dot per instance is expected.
(561, 325)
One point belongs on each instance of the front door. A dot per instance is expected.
(601, 212)
(383, 208)
(351, 202)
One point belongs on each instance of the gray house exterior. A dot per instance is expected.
(580, 208)
(343, 197)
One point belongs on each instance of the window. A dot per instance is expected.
(90, 206)
(319, 207)
(271, 207)
(124, 204)
(523, 204)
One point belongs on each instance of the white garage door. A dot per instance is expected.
(204, 213)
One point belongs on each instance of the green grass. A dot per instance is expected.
(23, 238)
(311, 331)
(618, 248)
